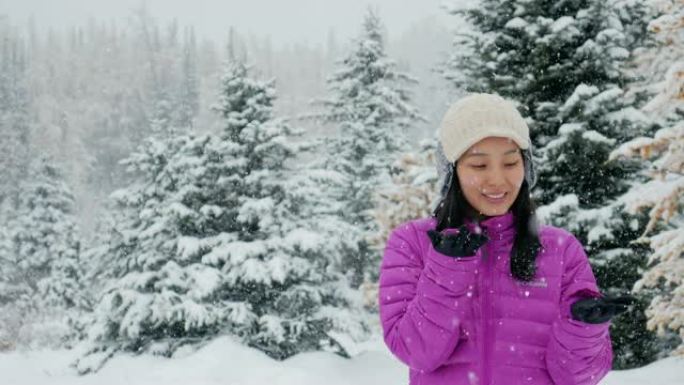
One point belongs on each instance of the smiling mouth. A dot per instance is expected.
(495, 198)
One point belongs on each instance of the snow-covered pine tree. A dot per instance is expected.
(14, 112)
(9, 319)
(369, 104)
(188, 92)
(45, 268)
(14, 144)
(221, 238)
(664, 193)
(39, 272)
(286, 230)
(566, 64)
(11, 284)
(166, 76)
(14, 135)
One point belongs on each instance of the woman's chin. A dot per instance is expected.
(494, 211)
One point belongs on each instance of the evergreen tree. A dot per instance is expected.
(14, 137)
(14, 113)
(283, 219)
(41, 264)
(39, 244)
(11, 286)
(188, 95)
(220, 238)
(567, 64)
(369, 104)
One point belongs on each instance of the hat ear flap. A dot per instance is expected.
(445, 171)
(530, 170)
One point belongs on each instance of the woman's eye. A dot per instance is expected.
(481, 166)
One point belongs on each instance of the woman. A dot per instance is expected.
(478, 294)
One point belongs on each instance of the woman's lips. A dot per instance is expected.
(501, 199)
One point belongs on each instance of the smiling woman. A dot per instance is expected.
(487, 145)
(478, 293)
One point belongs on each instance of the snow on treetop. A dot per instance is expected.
(563, 23)
(596, 136)
(516, 23)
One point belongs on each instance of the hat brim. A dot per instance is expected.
(503, 133)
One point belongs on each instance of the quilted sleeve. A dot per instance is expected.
(578, 353)
(422, 299)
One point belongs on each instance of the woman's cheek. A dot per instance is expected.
(520, 178)
(472, 181)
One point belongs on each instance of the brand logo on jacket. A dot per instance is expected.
(536, 283)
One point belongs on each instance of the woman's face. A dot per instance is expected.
(490, 173)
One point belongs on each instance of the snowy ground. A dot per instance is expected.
(226, 362)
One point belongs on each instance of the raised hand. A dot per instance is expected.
(462, 244)
(599, 310)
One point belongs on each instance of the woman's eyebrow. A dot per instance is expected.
(511, 151)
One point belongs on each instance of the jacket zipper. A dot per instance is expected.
(486, 316)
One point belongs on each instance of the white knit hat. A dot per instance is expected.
(476, 117)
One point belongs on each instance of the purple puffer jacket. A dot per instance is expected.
(468, 321)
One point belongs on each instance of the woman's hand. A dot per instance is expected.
(598, 310)
(462, 244)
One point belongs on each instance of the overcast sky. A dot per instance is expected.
(286, 21)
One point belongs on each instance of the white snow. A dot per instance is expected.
(596, 136)
(188, 246)
(516, 23)
(562, 23)
(563, 203)
(628, 114)
(224, 361)
(598, 232)
(582, 92)
(568, 128)
(306, 239)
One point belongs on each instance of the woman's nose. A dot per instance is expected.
(495, 176)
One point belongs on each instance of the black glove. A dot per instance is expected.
(462, 244)
(599, 310)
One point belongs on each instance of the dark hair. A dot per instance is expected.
(454, 208)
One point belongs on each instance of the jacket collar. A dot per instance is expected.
(498, 226)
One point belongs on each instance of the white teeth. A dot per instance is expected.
(496, 196)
